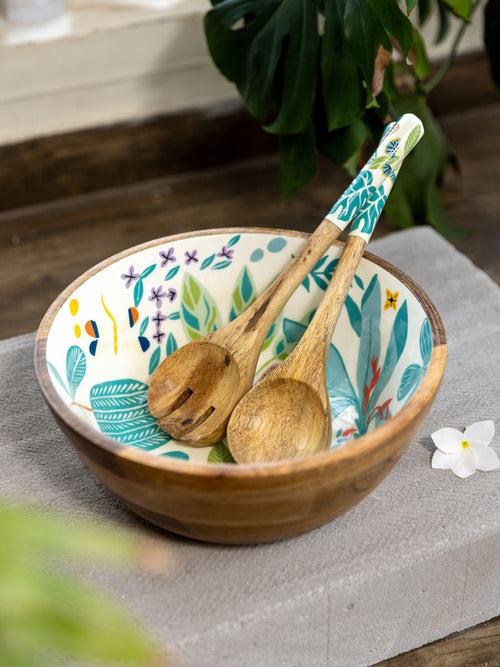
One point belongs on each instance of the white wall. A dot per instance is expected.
(114, 60)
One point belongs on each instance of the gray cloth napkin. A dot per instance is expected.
(417, 560)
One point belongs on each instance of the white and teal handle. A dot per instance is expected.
(365, 198)
(362, 202)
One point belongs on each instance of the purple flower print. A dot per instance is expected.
(171, 294)
(158, 319)
(157, 295)
(225, 252)
(191, 256)
(167, 257)
(158, 336)
(129, 277)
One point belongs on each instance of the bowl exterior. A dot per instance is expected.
(250, 509)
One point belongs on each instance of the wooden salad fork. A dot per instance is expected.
(194, 391)
(287, 414)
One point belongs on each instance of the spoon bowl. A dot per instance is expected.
(297, 424)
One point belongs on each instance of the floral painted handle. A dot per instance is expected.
(368, 192)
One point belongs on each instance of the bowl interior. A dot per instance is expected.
(113, 331)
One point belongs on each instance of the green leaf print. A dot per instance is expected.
(154, 361)
(395, 348)
(171, 344)
(412, 139)
(76, 366)
(121, 411)
(173, 272)
(356, 197)
(269, 337)
(243, 295)
(147, 271)
(220, 454)
(410, 381)
(369, 346)
(57, 376)
(199, 313)
(426, 342)
(138, 292)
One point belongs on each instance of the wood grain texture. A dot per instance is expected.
(194, 390)
(75, 163)
(477, 647)
(245, 504)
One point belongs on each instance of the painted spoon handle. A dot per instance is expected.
(258, 318)
(375, 182)
(315, 342)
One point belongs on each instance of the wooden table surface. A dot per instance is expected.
(43, 247)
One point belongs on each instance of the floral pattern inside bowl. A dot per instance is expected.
(115, 329)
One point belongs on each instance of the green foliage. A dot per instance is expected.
(415, 196)
(281, 36)
(461, 8)
(44, 613)
(318, 73)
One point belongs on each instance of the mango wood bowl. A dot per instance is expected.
(103, 337)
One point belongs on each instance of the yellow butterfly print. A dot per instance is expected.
(391, 300)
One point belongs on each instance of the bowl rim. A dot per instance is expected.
(338, 456)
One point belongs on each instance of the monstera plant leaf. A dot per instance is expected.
(274, 36)
(461, 8)
(319, 74)
(270, 49)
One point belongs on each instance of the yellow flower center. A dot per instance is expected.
(465, 444)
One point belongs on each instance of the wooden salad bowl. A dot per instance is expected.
(104, 336)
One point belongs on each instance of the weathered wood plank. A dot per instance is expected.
(477, 647)
(74, 163)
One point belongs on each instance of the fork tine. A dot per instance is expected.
(180, 400)
(188, 415)
(213, 426)
(168, 401)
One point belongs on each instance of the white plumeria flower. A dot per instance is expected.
(466, 452)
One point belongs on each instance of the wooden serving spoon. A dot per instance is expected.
(193, 392)
(288, 413)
